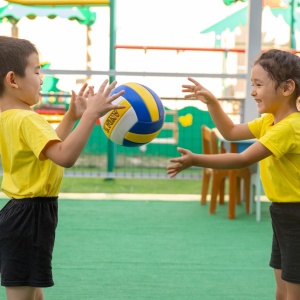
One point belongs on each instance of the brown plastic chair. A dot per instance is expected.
(216, 176)
(211, 145)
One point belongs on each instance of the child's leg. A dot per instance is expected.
(293, 291)
(281, 289)
(286, 290)
(24, 293)
(21, 293)
(39, 294)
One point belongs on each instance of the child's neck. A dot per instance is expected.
(7, 103)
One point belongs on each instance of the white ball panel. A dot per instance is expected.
(123, 126)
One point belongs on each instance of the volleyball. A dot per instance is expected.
(139, 122)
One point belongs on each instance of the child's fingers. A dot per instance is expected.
(102, 86)
(73, 95)
(190, 96)
(172, 173)
(89, 92)
(188, 87)
(119, 106)
(182, 150)
(195, 82)
(82, 90)
(175, 160)
(116, 96)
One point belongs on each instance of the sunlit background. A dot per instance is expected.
(174, 37)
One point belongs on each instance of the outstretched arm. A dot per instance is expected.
(251, 155)
(225, 125)
(66, 153)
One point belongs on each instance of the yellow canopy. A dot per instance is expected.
(60, 2)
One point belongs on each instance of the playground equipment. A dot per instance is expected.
(285, 8)
(54, 102)
(13, 13)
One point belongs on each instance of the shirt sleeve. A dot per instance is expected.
(37, 133)
(255, 127)
(275, 139)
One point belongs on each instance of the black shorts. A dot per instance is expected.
(27, 234)
(286, 240)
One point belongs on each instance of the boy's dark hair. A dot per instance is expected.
(281, 66)
(14, 53)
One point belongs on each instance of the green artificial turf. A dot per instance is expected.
(155, 250)
(130, 185)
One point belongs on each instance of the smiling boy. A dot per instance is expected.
(33, 157)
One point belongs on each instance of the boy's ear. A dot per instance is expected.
(289, 87)
(10, 79)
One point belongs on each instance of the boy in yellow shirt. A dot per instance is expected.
(33, 157)
(275, 80)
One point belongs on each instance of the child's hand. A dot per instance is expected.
(100, 103)
(78, 103)
(180, 163)
(198, 91)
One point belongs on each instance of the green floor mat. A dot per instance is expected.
(159, 250)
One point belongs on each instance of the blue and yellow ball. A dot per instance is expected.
(140, 122)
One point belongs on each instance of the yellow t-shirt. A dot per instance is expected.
(23, 136)
(280, 172)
